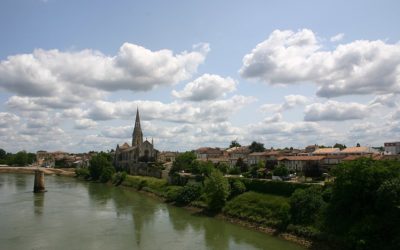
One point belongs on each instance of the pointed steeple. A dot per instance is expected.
(137, 135)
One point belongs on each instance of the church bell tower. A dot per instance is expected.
(137, 135)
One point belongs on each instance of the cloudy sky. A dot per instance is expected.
(203, 73)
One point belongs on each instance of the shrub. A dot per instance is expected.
(306, 205)
(119, 177)
(139, 182)
(172, 193)
(216, 190)
(106, 174)
(270, 187)
(237, 187)
(270, 210)
(189, 193)
(281, 171)
(82, 172)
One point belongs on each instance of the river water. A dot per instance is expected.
(79, 215)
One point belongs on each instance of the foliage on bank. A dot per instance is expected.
(21, 158)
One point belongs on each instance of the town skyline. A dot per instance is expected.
(202, 74)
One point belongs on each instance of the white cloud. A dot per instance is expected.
(291, 101)
(388, 100)
(217, 111)
(275, 118)
(85, 124)
(337, 38)
(360, 67)
(70, 77)
(8, 120)
(206, 87)
(335, 111)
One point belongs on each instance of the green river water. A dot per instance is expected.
(74, 214)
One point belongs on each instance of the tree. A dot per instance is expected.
(256, 147)
(306, 205)
(223, 167)
(234, 143)
(240, 164)
(280, 171)
(20, 158)
(100, 167)
(364, 205)
(338, 145)
(183, 161)
(2, 154)
(358, 145)
(217, 190)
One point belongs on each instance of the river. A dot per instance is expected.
(75, 214)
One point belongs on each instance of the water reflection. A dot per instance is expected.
(38, 201)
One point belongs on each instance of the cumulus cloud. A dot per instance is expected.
(85, 124)
(335, 111)
(337, 38)
(291, 101)
(275, 118)
(8, 120)
(360, 67)
(219, 110)
(55, 78)
(388, 100)
(206, 87)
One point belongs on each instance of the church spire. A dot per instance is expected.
(137, 135)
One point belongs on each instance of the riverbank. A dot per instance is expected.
(158, 189)
(30, 170)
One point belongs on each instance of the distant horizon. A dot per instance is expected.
(206, 73)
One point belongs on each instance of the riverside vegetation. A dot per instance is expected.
(359, 209)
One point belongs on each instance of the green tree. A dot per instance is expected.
(189, 193)
(306, 205)
(237, 187)
(183, 161)
(364, 206)
(20, 158)
(256, 147)
(2, 154)
(240, 164)
(217, 190)
(338, 145)
(100, 167)
(223, 167)
(280, 171)
(234, 143)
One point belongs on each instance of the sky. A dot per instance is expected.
(202, 73)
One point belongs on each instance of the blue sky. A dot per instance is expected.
(203, 73)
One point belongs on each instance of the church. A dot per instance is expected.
(138, 154)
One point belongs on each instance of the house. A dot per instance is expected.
(256, 157)
(359, 151)
(206, 153)
(300, 163)
(237, 152)
(167, 156)
(326, 151)
(392, 148)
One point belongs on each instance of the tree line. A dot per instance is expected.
(21, 158)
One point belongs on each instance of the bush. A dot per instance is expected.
(281, 171)
(237, 187)
(119, 177)
(172, 193)
(364, 205)
(107, 174)
(306, 205)
(308, 232)
(82, 172)
(189, 193)
(270, 187)
(269, 210)
(139, 182)
(216, 191)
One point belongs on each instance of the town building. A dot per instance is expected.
(392, 148)
(128, 157)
